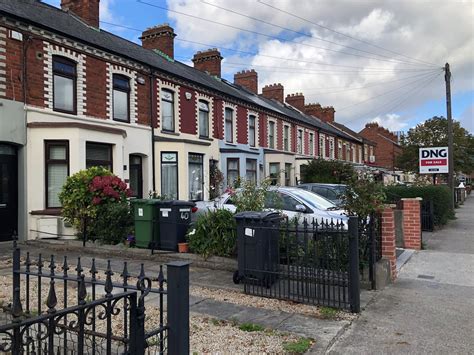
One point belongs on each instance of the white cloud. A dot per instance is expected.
(467, 119)
(415, 29)
(391, 121)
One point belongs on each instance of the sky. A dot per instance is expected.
(371, 60)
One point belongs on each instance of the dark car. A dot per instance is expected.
(332, 192)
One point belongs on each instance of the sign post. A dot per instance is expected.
(434, 160)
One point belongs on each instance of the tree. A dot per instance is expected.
(433, 133)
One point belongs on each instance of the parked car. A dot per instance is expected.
(291, 201)
(332, 192)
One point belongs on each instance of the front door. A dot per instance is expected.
(136, 176)
(8, 192)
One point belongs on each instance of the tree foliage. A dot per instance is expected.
(433, 133)
(327, 171)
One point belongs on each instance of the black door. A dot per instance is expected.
(8, 192)
(136, 176)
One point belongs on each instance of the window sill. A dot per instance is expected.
(231, 144)
(171, 133)
(47, 212)
(65, 111)
(254, 148)
(206, 138)
(121, 121)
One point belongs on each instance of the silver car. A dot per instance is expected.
(292, 202)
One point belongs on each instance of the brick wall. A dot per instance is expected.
(242, 123)
(97, 94)
(385, 151)
(412, 223)
(388, 240)
(263, 130)
(218, 120)
(188, 111)
(279, 134)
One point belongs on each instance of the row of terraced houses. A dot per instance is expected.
(74, 96)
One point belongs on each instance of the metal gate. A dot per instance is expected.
(427, 215)
(308, 262)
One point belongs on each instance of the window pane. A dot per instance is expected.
(229, 122)
(120, 105)
(274, 173)
(121, 82)
(167, 115)
(196, 177)
(232, 171)
(251, 167)
(99, 155)
(169, 180)
(63, 93)
(203, 123)
(64, 68)
(57, 175)
(57, 152)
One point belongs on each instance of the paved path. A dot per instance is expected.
(430, 308)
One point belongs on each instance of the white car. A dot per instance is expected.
(291, 201)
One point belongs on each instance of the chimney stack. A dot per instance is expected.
(273, 91)
(325, 114)
(296, 100)
(247, 79)
(160, 37)
(87, 10)
(208, 61)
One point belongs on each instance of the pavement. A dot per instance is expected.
(430, 308)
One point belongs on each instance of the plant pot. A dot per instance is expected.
(183, 247)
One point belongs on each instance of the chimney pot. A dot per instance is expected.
(296, 100)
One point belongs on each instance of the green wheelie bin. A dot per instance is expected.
(147, 231)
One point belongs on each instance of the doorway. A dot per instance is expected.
(8, 191)
(136, 176)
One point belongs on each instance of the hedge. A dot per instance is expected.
(440, 195)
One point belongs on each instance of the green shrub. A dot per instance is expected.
(298, 347)
(251, 197)
(251, 327)
(327, 171)
(363, 196)
(113, 223)
(214, 234)
(97, 196)
(440, 195)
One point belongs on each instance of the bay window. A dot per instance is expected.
(99, 154)
(57, 170)
(251, 170)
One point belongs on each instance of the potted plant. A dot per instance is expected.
(183, 247)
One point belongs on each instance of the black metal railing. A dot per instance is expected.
(63, 312)
(370, 245)
(427, 215)
(308, 262)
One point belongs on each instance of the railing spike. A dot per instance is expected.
(81, 291)
(94, 270)
(125, 275)
(52, 266)
(142, 271)
(108, 287)
(79, 268)
(161, 277)
(65, 266)
(51, 300)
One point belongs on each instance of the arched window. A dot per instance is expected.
(121, 98)
(64, 85)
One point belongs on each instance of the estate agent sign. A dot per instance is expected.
(434, 160)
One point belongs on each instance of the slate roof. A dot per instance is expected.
(352, 133)
(67, 24)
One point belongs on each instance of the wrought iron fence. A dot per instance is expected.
(84, 313)
(370, 245)
(308, 262)
(427, 215)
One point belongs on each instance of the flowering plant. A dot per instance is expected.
(109, 188)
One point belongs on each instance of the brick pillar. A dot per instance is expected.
(412, 223)
(388, 239)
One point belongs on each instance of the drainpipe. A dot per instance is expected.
(152, 131)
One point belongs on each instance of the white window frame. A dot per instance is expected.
(274, 140)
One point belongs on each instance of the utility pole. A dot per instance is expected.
(447, 79)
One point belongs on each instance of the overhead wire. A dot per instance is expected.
(249, 31)
(344, 34)
(386, 92)
(389, 59)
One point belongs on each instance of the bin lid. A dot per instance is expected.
(146, 201)
(264, 216)
(177, 203)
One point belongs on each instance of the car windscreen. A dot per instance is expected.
(313, 200)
